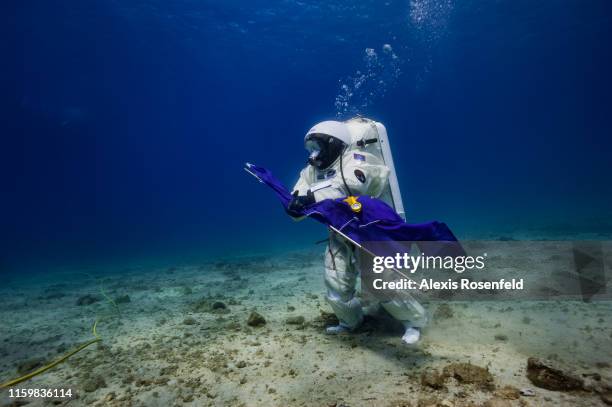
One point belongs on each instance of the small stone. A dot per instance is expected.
(297, 320)
(241, 364)
(87, 299)
(256, 319)
(547, 375)
(466, 373)
(432, 378)
(123, 299)
(208, 305)
(501, 337)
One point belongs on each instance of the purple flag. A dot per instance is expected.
(375, 222)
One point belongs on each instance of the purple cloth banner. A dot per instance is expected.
(376, 222)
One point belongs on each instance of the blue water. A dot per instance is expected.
(125, 124)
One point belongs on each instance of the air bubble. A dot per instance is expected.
(369, 84)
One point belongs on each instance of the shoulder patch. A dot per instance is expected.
(326, 175)
(360, 176)
(359, 157)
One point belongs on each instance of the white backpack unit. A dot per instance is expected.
(371, 136)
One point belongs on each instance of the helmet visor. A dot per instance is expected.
(323, 149)
(313, 145)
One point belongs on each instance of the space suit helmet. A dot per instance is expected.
(325, 142)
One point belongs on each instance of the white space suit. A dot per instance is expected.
(354, 171)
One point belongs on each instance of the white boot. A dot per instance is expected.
(412, 335)
(337, 329)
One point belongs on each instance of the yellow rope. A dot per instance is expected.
(109, 298)
(103, 292)
(55, 363)
(97, 338)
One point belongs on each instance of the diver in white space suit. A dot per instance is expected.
(347, 159)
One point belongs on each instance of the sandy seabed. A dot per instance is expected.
(187, 336)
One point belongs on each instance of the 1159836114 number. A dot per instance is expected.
(40, 393)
